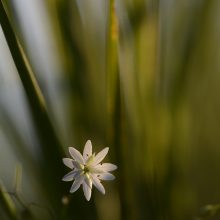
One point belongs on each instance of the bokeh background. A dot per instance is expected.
(139, 76)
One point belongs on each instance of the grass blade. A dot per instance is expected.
(7, 204)
(50, 145)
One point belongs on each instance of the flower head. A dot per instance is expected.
(87, 169)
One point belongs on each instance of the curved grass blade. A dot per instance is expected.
(7, 204)
(114, 107)
(49, 143)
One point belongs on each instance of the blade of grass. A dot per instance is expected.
(112, 56)
(18, 178)
(50, 145)
(114, 108)
(7, 204)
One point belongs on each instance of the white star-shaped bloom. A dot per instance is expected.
(87, 169)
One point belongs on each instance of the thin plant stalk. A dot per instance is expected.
(114, 107)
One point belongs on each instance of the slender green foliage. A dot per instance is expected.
(7, 204)
(50, 145)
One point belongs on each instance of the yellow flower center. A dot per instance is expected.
(86, 169)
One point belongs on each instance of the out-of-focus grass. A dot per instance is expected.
(141, 77)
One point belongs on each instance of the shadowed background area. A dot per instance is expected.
(139, 76)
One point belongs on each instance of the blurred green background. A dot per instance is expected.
(139, 76)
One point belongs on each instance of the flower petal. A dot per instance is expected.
(87, 152)
(108, 167)
(70, 176)
(77, 183)
(106, 176)
(100, 156)
(88, 180)
(76, 155)
(97, 169)
(68, 162)
(87, 191)
(77, 165)
(96, 182)
(87, 186)
(90, 160)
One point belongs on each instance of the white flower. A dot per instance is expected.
(87, 170)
